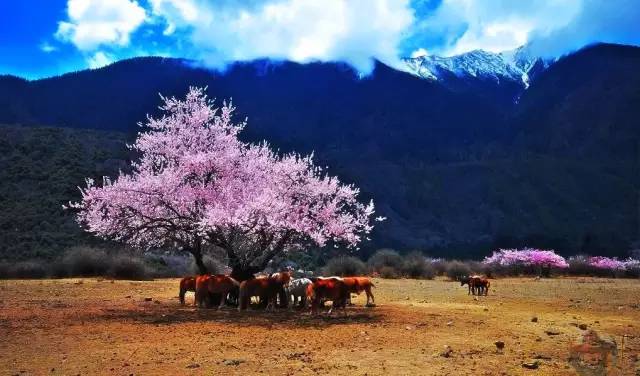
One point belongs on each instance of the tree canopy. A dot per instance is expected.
(197, 183)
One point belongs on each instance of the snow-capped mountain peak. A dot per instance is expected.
(515, 65)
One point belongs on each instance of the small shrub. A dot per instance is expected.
(632, 271)
(385, 258)
(4, 270)
(28, 270)
(344, 266)
(439, 265)
(416, 266)
(457, 269)
(127, 267)
(388, 272)
(58, 269)
(581, 266)
(85, 262)
(168, 265)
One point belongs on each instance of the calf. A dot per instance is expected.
(187, 284)
(208, 285)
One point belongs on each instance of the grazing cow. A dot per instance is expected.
(208, 285)
(187, 284)
(466, 280)
(298, 289)
(267, 288)
(481, 284)
(322, 289)
(356, 285)
(476, 283)
(282, 296)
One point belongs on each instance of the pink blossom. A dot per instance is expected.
(526, 257)
(197, 183)
(609, 263)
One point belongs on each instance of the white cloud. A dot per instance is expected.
(354, 31)
(611, 21)
(47, 47)
(92, 23)
(497, 25)
(99, 60)
(419, 52)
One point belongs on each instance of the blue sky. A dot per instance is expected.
(49, 37)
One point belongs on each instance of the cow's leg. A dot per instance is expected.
(292, 296)
(208, 299)
(181, 294)
(198, 298)
(241, 298)
(223, 297)
(271, 301)
(370, 295)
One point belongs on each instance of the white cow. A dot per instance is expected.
(298, 289)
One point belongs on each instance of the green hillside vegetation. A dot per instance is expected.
(40, 169)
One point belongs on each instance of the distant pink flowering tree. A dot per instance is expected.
(197, 184)
(609, 263)
(543, 260)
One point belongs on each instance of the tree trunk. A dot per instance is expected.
(196, 251)
(202, 268)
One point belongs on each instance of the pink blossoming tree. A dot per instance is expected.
(609, 263)
(196, 184)
(543, 260)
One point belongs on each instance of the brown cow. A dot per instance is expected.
(334, 289)
(187, 284)
(356, 285)
(206, 285)
(481, 284)
(477, 284)
(266, 287)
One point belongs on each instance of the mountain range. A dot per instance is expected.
(519, 66)
(462, 154)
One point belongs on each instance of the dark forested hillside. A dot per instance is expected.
(457, 167)
(40, 170)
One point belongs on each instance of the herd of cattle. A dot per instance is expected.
(276, 289)
(279, 289)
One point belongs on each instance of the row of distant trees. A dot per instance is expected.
(388, 263)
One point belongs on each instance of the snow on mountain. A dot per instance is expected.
(515, 65)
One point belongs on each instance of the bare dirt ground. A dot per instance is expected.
(92, 326)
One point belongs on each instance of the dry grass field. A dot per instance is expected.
(93, 327)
